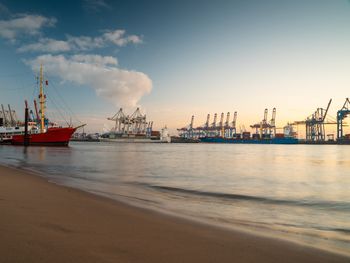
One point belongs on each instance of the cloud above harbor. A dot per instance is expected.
(122, 87)
(95, 5)
(21, 25)
(75, 58)
(117, 37)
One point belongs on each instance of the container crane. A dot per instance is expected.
(260, 127)
(213, 124)
(12, 121)
(187, 131)
(31, 114)
(190, 130)
(227, 122)
(137, 122)
(341, 115)
(315, 124)
(134, 124)
(149, 128)
(203, 131)
(234, 121)
(227, 126)
(192, 121)
(221, 125)
(272, 124)
(120, 120)
(206, 125)
(5, 121)
(263, 125)
(315, 129)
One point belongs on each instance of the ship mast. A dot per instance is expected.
(42, 100)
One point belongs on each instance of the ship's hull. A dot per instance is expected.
(130, 140)
(176, 139)
(285, 140)
(52, 137)
(5, 140)
(6, 133)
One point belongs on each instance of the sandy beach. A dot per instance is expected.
(44, 222)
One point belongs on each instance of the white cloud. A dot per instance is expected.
(46, 45)
(95, 5)
(122, 87)
(134, 39)
(84, 42)
(81, 43)
(19, 25)
(24, 24)
(95, 59)
(117, 37)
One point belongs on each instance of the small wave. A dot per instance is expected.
(341, 206)
(341, 230)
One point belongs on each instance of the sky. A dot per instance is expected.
(175, 59)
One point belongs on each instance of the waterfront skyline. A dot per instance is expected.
(176, 59)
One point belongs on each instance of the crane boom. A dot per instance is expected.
(192, 121)
(273, 119)
(214, 121)
(265, 115)
(207, 122)
(4, 113)
(234, 120)
(221, 120)
(227, 122)
(325, 114)
(11, 117)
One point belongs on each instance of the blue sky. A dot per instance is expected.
(178, 58)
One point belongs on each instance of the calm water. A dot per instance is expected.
(301, 192)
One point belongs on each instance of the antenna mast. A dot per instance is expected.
(42, 100)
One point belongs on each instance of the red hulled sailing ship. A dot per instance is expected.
(42, 134)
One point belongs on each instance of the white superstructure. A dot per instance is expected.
(10, 126)
(164, 135)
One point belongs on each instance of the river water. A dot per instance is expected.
(298, 192)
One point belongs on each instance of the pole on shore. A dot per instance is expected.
(26, 117)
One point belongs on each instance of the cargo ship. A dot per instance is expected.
(269, 137)
(40, 132)
(265, 135)
(251, 140)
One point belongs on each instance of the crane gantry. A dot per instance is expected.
(265, 129)
(341, 115)
(315, 124)
(223, 128)
(131, 124)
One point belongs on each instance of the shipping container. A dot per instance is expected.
(279, 135)
(256, 136)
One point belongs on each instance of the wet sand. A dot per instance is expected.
(44, 222)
